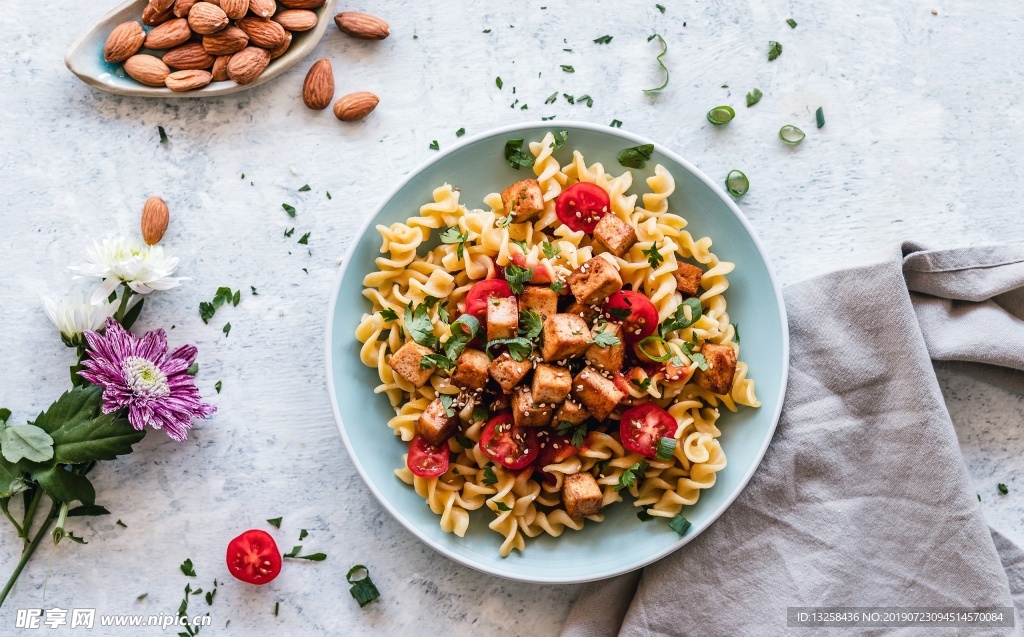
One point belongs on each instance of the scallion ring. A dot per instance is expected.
(721, 115)
(653, 338)
(791, 134)
(737, 183)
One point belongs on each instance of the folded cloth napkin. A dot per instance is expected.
(862, 499)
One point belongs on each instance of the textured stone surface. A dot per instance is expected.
(921, 143)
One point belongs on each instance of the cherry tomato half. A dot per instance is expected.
(581, 206)
(642, 320)
(476, 299)
(554, 448)
(642, 428)
(253, 557)
(426, 460)
(510, 446)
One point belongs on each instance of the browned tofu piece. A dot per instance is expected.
(406, 363)
(609, 357)
(687, 279)
(586, 312)
(502, 317)
(597, 393)
(523, 199)
(571, 411)
(581, 495)
(507, 372)
(528, 413)
(615, 234)
(551, 383)
(470, 369)
(565, 336)
(435, 424)
(721, 368)
(594, 281)
(541, 299)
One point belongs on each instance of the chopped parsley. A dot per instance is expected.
(550, 250)
(362, 589)
(187, 568)
(606, 339)
(304, 188)
(388, 314)
(328, 194)
(661, 62)
(502, 506)
(463, 441)
(561, 137)
(502, 222)
(518, 348)
(679, 524)
(419, 325)
(289, 209)
(289, 232)
(630, 476)
(616, 123)
(163, 138)
(460, 132)
(276, 522)
(302, 534)
(753, 97)
(636, 156)
(774, 50)
(304, 240)
(517, 276)
(604, 39)
(227, 329)
(660, 7)
(434, 145)
(666, 447)
(653, 256)
(551, 98)
(487, 30)
(819, 116)
(446, 402)
(498, 82)
(439, 361)
(1002, 488)
(464, 330)
(530, 324)
(489, 477)
(567, 68)
(218, 385)
(312, 557)
(577, 433)
(557, 287)
(515, 156)
(736, 328)
(456, 236)
(586, 99)
(480, 414)
(642, 385)
(678, 320)
(791, 22)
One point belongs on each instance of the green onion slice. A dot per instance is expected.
(721, 115)
(819, 116)
(666, 447)
(737, 183)
(653, 338)
(791, 134)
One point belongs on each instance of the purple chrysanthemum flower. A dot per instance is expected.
(139, 374)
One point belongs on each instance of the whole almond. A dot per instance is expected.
(188, 80)
(355, 106)
(123, 42)
(303, 4)
(246, 65)
(188, 56)
(318, 89)
(151, 17)
(206, 18)
(220, 68)
(147, 69)
(283, 47)
(262, 8)
(161, 5)
(155, 217)
(362, 25)
(263, 33)
(182, 7)
(226, 41)
(296, 19)
(235, 9)
(169, 34)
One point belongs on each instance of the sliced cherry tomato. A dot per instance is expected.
(426, 460)
(554, 448)
(642, 319)
(581, 206)
(253, 557)
(678, 373)
(642, 428)
(476, 299)
(543, 273)
(510, 446)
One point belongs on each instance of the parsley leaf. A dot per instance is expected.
(568, 69)
(736, 328)
(560, 138)
(464, 330)
(187, 569)
(635, 157)
(163, 135)
(227, 329)
(455, 235)
(569, 98)
(489, 477)
(530, 324)
(630, 476)
(312, 557)
(653, 256)
(606, 339)
(498, 83)
(551, 98)
(666, 447)
(660, 7)
(304, 188)
(388, 314)
(480, 414)
(678, 321)
(517, 276)
(1003, 489)
(774, 50)
(446, 402)
(753, 97)
(305, 239)
(218, 385)
(289, 209)
(557, 287)
(515, 156)
(434, 145)
(289, 232)
(578, 432)
(419, 325)
(502, 506)
(460, 132)
(642, 385)
(696, 357)
(550, 250)
(791, 22)
(502, 222)
(439, 361)
(679, 524)
(604, 39)
(586, 99)
(518, 348)
(616, 123)
(275, 522)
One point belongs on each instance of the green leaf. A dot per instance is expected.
(753, 97)
(187, 568)
(666, 447)
(419, 325)
(11, 481)
(679, 321)
(502, 506)
(562, 136)
(518, 348)
(218, 385)
(550, 251)
(87, 510)
(660, 7)
(680, 525)
(464, 330)
(289, 209)
(460, 132)
(567, 68)
(604, 39)
(434, 145)
(653, 256)
(388, 314)
(791, 22)
(206, 311)
(514, 155)
(456, 236)
(774, 50)
(362, 589)
(302, 534)
(551, 98)
(227, 328)
(819, 116)
(616, 123)
(25, 441)
(193, 369)
(1003, 488)
(530, 324)
(446, 402)
(489, 477)
(81, 433)
(606, 339)
(635, 157)
(163, 134)
(498, 82)
(304, 240)
(62, 485)
(517, 277)
(275, 522)
(642, 385)
(304, 188)
(630, 476)
(74, 538)
(5, 415)
(132, 315)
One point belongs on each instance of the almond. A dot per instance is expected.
(355, 106)
(220, 68)
(161, 5)
(151, 17)
(362, 25)
(303, 4)
(188, 80)
(318, 89)
(123, 42)
(246, 65)
(188, 56)
(206, 18)
(296, 19)
(169, 34)
(147, 69)
(262, 8)
(280, 50)
(155, 216)
(235, 9)
(225, 42)
(263, 33)
(182, 7)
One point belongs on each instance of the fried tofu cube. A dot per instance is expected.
(687, 279)
(551, 383)
(524, 199)
(406, 363)
(608, 357)
(564, 336)
(528, 413)
(541, 299)
(721, 368)
(470, 369)
(435, 424)
(571, 412)
(581, 495)
(507, 372)
(594, 281)
(597, 393)
(586, 312)
(502, 317)
(615, 234)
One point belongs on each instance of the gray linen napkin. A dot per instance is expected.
(863, 498)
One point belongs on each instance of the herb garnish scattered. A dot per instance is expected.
(774, 50)
(557, 286)
(328, 194)
(561, 137)
(487, 30)
(666, 447)
(277, 607)
(604, 39)
(312, 557)
(489, 477)
(304, 188)
(616, 124)
(460, 132)
(644, 515)
(660, 7)
(791, 134)
(304, 240)
(530, 324)
(289, 209)
(419, 325)
(218, 385)
(434, 145)
(517, 276)
(1002, 488)
(736, 328)
(464, 330)
(142, 597)
(163, 136)
(753, 97)
(227, 329)
(678, 321)
(187, 569)
(577, 432)
(721, 115)
(550, 250)
(642, 385)
(121, 524)
(606, 339)
(515, 156)
(501, 506)
(498, 82)
(447, 401)
(661, 62)
(569, 98)
(567, 68)
(503, 222)
(518, 348)
(289, 232)
(388, 314)
(819, 115)
(679, 524)
(653, 256)
(551, 98)
(791, 22)
(589, 101)
(276, 522)
(456, 236)
(222, 296)
(630, 476)
(362, 589)
(635, 157)
(253, 288)
(737, 183)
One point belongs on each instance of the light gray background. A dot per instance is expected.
(923, 141)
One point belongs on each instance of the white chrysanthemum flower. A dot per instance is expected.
(74, 315)
(141, 267)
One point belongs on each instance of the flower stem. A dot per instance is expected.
(3, 506)
(119, 314)
(30, 550)
(30, 512)
(58, 533)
